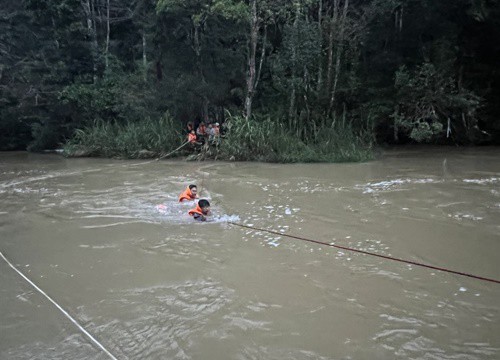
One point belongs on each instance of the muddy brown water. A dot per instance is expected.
(152, 284)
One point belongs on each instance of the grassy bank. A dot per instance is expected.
(270, 141)
(256, 140)
(145, 139)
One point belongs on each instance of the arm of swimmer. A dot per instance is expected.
(199, 217)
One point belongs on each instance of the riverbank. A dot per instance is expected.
(266, 141)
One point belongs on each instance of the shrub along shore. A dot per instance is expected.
(253, 140)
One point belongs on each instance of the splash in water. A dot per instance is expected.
(176, 212)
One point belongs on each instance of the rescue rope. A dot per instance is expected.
(170, 153)
(160, 157)
(370, 253)
(201, 185)
(65, 313)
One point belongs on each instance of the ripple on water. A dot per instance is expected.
(273, 353)
(159, 322)
(75, 346)
(393, 185)
(465, 216)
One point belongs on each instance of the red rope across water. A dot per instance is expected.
(370, 253)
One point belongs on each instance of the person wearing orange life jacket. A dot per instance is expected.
(201, 211)
(188, 194)
(191, 138)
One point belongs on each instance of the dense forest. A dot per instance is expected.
(319, 71)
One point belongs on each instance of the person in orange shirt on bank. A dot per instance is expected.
(192, 139)
(189, 194)
(201, 211)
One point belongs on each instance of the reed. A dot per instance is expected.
(147, 138)
(255, 140)
(271, 141)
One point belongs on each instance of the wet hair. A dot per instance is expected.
(192, 186)
(203, 203)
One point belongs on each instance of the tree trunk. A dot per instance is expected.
(254, 31)
(107, 35)
(401, 19)
(466, 126)
(338, 54)
(396, 124)
(199, 69)
(206, 103)
(261, 61)
(92, 34)
(333, 22)
(306, 98)
(197, 47)
(291, 110)
(320, 34)
(144, 59)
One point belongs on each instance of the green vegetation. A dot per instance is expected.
(145, 139)
(271, 141)
(315, 80)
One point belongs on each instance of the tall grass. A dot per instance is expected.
(254, 140)
(271, 141)
(147, 138)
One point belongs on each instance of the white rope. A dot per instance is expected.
(61, 309)
(161, 157)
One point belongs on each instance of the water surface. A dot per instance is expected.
(152, 284)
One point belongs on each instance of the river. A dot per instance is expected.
(152, 284)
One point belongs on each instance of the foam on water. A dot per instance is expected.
(393, 184)
(171, 287)
(175, 212)
(486, 181)
(224, 218)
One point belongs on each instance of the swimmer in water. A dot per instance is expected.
(189, 194)
(201, 211)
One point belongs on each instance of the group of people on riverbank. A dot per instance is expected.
(203, 134)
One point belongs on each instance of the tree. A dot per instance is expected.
(215, 57)
(429, 101)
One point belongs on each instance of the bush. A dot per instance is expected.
(428, 99)
(270, 141)
(146, 138)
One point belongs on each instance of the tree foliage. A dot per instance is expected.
(404, 70)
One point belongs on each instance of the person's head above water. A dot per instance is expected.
(190, 193)
(204, 206)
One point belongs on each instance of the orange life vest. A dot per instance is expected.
(186, 195)
(191, 138)
(196, 210)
